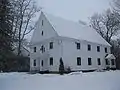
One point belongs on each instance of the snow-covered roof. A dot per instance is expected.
(110, 56)
(75, 30)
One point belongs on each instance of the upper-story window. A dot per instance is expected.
(89, 61)
(78, 60)
(42, 22)
(42, 48)
(34, 49)
(98, 48)
(89, 47)
(105, 50)
(51, 45)
(78, 45)
(34, 63)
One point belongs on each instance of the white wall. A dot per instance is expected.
(70, 54)
(55, 53)
(48, 32)
(47, 29)
(66, 48)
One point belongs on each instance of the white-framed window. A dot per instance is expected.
(99, 62)
(78, 61)
(51, 61)
(78, 45)
(98, 48)
(106, 50)
(34, 62)
(51, 45)
(89, 47)
(42, 63)
(89, 61)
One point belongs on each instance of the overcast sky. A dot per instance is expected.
(74, 9)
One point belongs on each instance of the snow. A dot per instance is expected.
(110, 56)
(74, 30)
(109, 80)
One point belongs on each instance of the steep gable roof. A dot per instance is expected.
(75, 30)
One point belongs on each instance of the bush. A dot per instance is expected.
(61, 67)
(68, 70)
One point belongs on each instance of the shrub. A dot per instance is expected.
(61, 67)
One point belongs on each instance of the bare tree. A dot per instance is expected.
(107, 24)
(24, 13)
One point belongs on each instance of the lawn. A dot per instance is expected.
(109, 80)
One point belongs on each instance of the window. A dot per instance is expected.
(89, 61)
(42, 33)
(105, 50)
(42, 63)
(112, 62)
(78, 45)
(89, 47)
(51, 45)
(34, 63)
(107, 62)
(51, 60)
(42, 22)
(42, 48)
(34, 49)
(98, 48)
(99, 62)
(78, 60)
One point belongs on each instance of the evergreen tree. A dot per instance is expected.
(61, 67)
(5, 32)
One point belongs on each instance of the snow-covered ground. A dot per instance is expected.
(109, 80)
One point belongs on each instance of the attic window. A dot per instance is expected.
(42, 33)
(42, 22)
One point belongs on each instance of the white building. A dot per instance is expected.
(79, 46)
